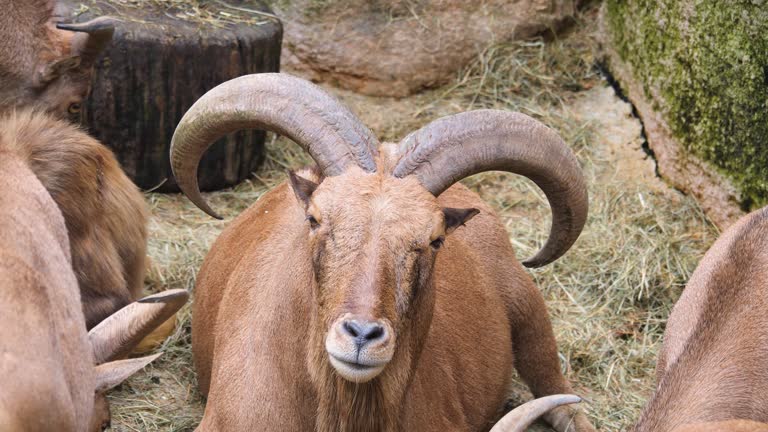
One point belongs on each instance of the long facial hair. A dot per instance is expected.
(374, 406)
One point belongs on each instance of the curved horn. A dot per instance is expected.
(520, 418)
(119, 333)
(454, 147)
(290, 106)
(93, 36)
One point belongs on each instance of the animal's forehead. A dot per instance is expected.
(379, 197)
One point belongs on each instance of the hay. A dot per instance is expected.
(608, 297)
(208, 13)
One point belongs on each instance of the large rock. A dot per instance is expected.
(397, 47)
(697, 72)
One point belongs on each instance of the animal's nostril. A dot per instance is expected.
(363, 332)
(352, 328)
(373, 332)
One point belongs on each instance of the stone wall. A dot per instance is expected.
(697, 71)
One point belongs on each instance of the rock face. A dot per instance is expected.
(697, 72)
(163, 57)
(396, 47)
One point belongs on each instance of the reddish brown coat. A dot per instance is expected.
(43, 343)
(260, 320)
(41, 66)
(105, 213)
(50, 380)
(712, 364)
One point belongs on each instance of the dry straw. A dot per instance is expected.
(204, 13)
(608, 297)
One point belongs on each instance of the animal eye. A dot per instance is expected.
(313, 223)
(436, 243)
(74, 108)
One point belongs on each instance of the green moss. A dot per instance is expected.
(707, 60)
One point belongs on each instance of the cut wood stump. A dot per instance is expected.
(163, 57)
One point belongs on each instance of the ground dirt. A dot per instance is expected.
(608, 297)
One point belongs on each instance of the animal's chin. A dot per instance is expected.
(356, 372)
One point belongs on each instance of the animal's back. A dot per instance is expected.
(717, 336)
(23, 31)
(726, 426)
(42, 316)
(25, 40)
(104, 212)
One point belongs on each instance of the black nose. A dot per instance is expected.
(364, 332)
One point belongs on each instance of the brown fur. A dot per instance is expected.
(272, 287)
(726, 426)
(49, 380)
(46, 365)
(712, 364)
(42, 375)
(37, 66)
(105, 213)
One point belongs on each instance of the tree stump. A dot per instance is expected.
(163, 57)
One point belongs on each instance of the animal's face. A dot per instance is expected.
(63, 96)
(58, 89)
(57, 77)
(374, 239)
(101, 418)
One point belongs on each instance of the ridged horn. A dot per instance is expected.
(118, 334)
(454, 147)
(520, 418)
(93, 36)
(334, 137)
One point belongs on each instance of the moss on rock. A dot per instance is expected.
(704, 64)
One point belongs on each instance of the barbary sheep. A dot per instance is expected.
(54, 373)
(711, 373)
(45, 65)
(105, 214)
(349, 298)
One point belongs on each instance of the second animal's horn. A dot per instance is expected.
(520, 418)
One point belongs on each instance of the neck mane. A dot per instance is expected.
(346, 406)
(375, 406)
(378, 405)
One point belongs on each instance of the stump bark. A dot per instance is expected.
(161, 60)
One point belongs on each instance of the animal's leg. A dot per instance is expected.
(535, 353)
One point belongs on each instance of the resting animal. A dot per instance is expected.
(53, 373)
(711, 372)
(45, 65)
(49, 69)
(349, 298)
(105, 214)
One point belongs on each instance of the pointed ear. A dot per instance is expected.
(119, 333)
(109, 375)
(47, 72)
(455, 218)
(302, 187)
